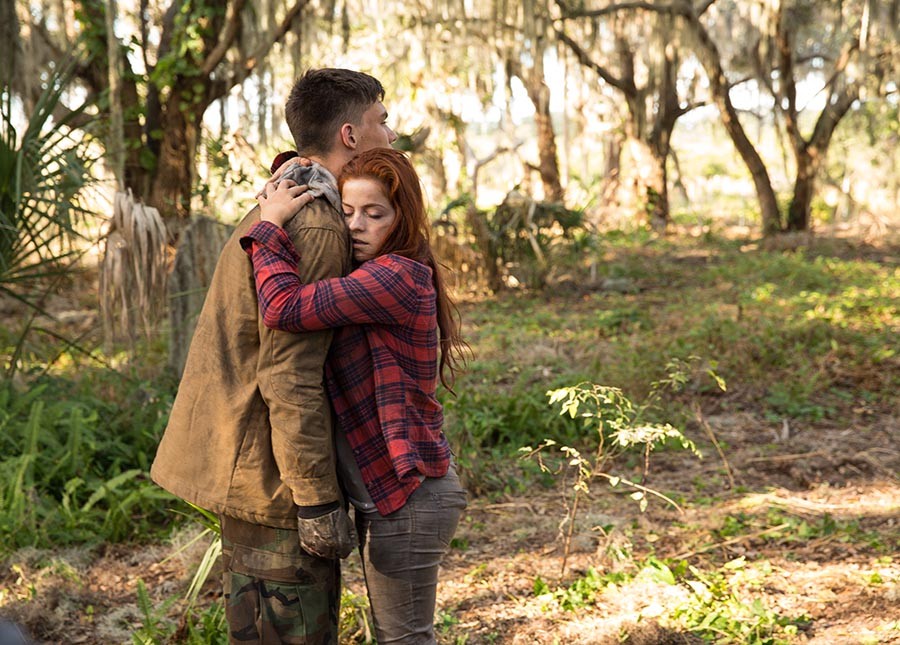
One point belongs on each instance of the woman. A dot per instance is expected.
(396, 333)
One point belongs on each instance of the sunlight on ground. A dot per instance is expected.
(850, 594)
(854, 501)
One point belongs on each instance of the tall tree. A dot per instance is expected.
(490, 45)
(846, 48)
(846, 45)
(638, 54)
(528, 60)
(10, 45)
(183, 57)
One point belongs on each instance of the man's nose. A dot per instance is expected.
(392, 136)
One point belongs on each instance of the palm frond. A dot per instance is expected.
(133, 270)
(44, 170)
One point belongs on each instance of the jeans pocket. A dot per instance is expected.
(452, 505)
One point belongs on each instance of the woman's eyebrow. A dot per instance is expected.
(369, 205)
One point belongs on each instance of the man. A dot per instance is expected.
(250, 433)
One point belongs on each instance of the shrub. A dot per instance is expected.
(74, 466)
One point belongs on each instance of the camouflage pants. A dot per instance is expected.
(274, 591)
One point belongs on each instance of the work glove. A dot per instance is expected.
(331, 535)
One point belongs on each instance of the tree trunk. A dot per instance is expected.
(546, 141)
(171, 188)
(475, 220)
(489, 255)
(612, 173)
(116, 142)
(111, 73)
(651, 183)
(539, 94)
(811, 155)
(798, 216)
(195, 262)
(711, 60)
(137, 176)
(174, 178)
(10, 43)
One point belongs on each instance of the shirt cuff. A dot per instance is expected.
(271, 236)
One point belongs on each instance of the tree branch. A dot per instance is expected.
(249, 64)
(245, 66)
(786, 81)
(831, 116)
(703, 7)
(90, 74)
(691, 106)
(229, 33)
(588, 62)
(675, 9)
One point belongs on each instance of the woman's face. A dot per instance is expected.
(368, 214)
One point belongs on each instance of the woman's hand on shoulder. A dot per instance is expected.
(279, 168)
(278, 204)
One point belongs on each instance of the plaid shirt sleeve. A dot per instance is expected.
(379, 292)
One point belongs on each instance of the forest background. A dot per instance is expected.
(672, 228)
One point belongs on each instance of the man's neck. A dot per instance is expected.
(332, 163)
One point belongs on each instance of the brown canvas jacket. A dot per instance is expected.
(250, 432)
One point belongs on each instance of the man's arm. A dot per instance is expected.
(291, 372)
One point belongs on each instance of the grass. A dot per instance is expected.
(74, 460)
(796, 335)
(805, 337)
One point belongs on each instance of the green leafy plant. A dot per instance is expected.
(212, 529)
(585, 590)
(156, 627)
(582, 592)
(196, 627)
(44, 177)
(44, 172)
(616, 426)
(73, 466)
(778, 525)
(355, 619)
(714, 610)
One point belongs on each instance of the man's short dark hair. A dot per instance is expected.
(322, 100)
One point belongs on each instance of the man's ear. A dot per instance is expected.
(348, 137)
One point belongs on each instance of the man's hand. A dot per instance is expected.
(278, 204)
(328, 536)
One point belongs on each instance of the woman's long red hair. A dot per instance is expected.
(409, 237)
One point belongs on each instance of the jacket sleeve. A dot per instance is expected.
(291, 371)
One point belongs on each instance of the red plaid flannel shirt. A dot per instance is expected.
(381, 370)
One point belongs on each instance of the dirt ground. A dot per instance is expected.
(845, 581)
(813, 508)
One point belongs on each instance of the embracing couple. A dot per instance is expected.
(310, 385)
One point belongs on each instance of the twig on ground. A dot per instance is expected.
(741, 538)
(866, 456)
(496, 508)
(794, 457)
(712, 437)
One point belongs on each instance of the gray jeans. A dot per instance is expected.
(401, 554)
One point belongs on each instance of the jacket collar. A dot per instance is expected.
(320, 181)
